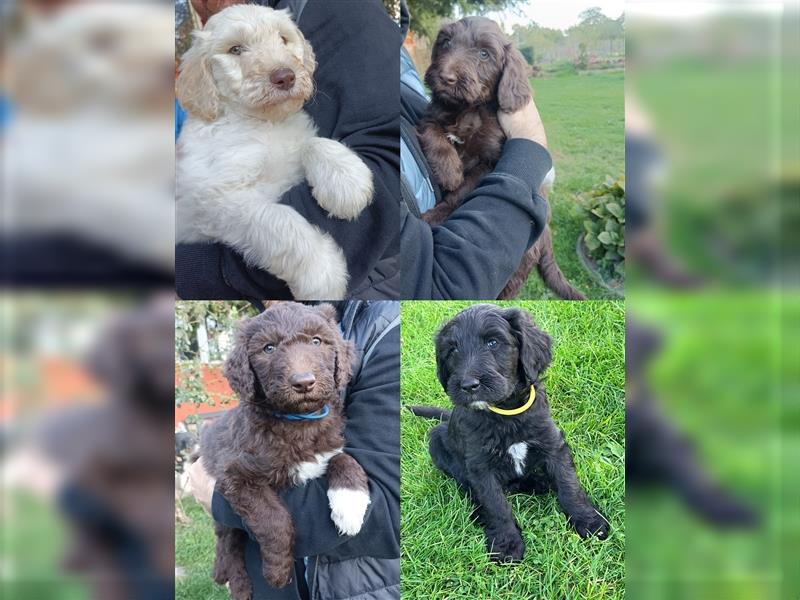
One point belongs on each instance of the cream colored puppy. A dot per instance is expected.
(247, 141)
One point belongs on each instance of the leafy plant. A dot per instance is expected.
(604, 225)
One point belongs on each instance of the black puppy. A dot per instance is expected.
(500, 436)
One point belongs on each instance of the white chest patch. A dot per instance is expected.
(306, 471)
(518, 452)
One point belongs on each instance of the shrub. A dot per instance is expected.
(604, 211)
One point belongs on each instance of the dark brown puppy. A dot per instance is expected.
(476, 71)
(290, 360)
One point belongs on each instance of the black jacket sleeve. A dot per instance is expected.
(476, 251)
(357, 103)
(373, 439)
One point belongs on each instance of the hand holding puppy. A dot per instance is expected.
(524, 123)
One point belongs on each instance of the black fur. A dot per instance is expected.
(505, 353)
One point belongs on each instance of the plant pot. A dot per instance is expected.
(615, 286)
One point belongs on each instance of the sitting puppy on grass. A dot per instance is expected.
(500, 436)
(288, 367)
(247, 141)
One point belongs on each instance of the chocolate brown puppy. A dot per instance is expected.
(289, 367)
(475, 71)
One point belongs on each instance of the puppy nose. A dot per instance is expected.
(302, 382)
(470, 384)
(282, 78)
(449, 78)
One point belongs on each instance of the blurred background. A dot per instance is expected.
(712, 177)
(87, 128)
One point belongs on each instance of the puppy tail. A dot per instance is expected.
(430, 412)
(551, 273)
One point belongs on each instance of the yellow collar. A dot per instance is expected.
(510, 412)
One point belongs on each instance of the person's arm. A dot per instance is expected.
(475, 252)
(356, 45)
(373, 440)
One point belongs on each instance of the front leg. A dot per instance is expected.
(442, 211)
(276, 238)
(586, 519)
(348, 494)
(503, 539)
(268, 521)
(448, 170)
(339, 179)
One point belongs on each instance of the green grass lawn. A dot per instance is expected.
(718, 377)
(584, 118)
(32, 542)
(194, 556)
(443, 554)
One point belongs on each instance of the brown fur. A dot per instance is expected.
(252, 453)
(475, 71)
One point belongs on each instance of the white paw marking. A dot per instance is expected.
(306, 471)
(518, 452)
(348, 508)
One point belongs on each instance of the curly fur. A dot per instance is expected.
(253, 455)
(489, 356)
(476, 71)
(247, 141)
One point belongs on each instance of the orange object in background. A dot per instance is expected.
(220, 395)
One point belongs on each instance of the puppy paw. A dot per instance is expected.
(339, 179)
(278, 571)
(240, 588)
(348, 508)
(323, 276)
(505, 546)
(591, 524)
(451, 178)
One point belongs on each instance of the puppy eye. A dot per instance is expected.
(269, 348)
(446, 43)
(316, 341)
(491, 343)
(284, 39)
(484, 54)
(236, 50)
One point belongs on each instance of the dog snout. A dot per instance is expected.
(302, 383)
(282, 78)
(449, 77)
(470, 384)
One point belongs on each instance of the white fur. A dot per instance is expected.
(246, 143)
(306, 471)
(518, 452)
(549, 179)
(348, 508)
(479, 405)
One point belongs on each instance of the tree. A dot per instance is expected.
(426, 15)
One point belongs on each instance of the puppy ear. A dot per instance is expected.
(534, 344)
(309, 58)
(343, 367)
(441, 367)
(237, 367)
(328, 311)
(195, 88)
(513, 91)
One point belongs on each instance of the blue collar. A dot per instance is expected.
(320, 414)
